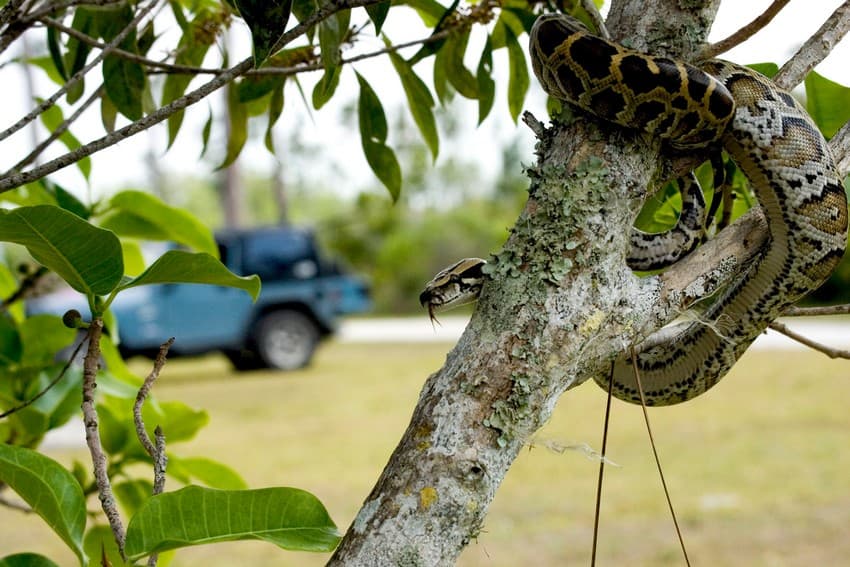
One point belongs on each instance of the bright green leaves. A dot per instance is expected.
(179, 266)
(486, 84)
(87, 257)
(287, 517)
(142, 215)
(49, 489)
(237, 114)
(373, 137)
(90, 259)
(52, 118)
(419, 100)
(124, 80)
(267, 21)
(828, 103)
(332, 32)
(517, 74)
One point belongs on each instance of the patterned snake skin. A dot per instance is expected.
(767, 134)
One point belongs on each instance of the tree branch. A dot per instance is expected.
(802, 339)
(99, 459)
(73, 80)
(16, 180)
(817, 311)
(840, 146)
(745, 32)
(815, 49)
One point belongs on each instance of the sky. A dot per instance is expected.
(124, 164)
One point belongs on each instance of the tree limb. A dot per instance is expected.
(802, 339)
(76, 77)
(815, 49)
(745, 32)
(10, 182)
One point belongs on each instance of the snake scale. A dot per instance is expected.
(771, 139)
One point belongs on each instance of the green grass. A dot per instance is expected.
(757, 468)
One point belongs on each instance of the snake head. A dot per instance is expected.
(456, 285)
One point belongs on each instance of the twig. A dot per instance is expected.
(52, 8)
(76, 77)
(657, 459)
(12, 181)
(840, 146)
(602, 466)
(157, 452)
(26, 284)
(745, 32)
(826, 349)
(99, 460)
(815, 49)
(142, 395)
(10, 11)
(55, 134)
(592, 11)
(817, 311)
(16, 505)
(49, 386)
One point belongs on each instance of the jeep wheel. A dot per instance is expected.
(286, 339)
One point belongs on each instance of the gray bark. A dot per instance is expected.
(560, 305)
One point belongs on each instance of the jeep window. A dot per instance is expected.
(279, 255)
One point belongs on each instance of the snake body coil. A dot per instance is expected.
(767, 134)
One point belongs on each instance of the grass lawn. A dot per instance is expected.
(758, 468)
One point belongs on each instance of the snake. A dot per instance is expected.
(712, 103)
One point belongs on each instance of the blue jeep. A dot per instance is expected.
(301, 299)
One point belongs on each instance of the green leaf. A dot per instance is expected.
(49, 489)
(332, 31)
(52, 118)
(108, 113)
(326, 87)
(287, 517)
(11, 346)
(419, 100)
(26, 560)
(253, 87)
(378, 14)
(100, 540)
(237, 114)
(132, 494)
(275, 110)
(517, 75)
(55, 52)
(178, 266)
(766, 69)
(143, 215)
(434, 45)
(430, 11)
(267, 22)
(87, 257)
(211, 473)
(43, 336)
(191, 50)
(486, 84)
(828, 103)
(125, 83)
(205, 133)
(373, 136)
(459, 76)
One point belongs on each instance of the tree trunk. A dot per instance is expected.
(560, 305)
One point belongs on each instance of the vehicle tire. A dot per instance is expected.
(286, 339)
(244, 360)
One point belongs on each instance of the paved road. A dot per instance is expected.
(832, 331)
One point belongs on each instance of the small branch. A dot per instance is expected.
(52, 8)
(745, 32)
(16, 180)
(16, 505)
(826, 349)
(77, 77)
(49, 386)
(99, 460)
(10, 11)
(817, 311)
(157, 452)
(815, 49)
(142, 395)
(26, 284)
(61, 129)
(840, 146)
